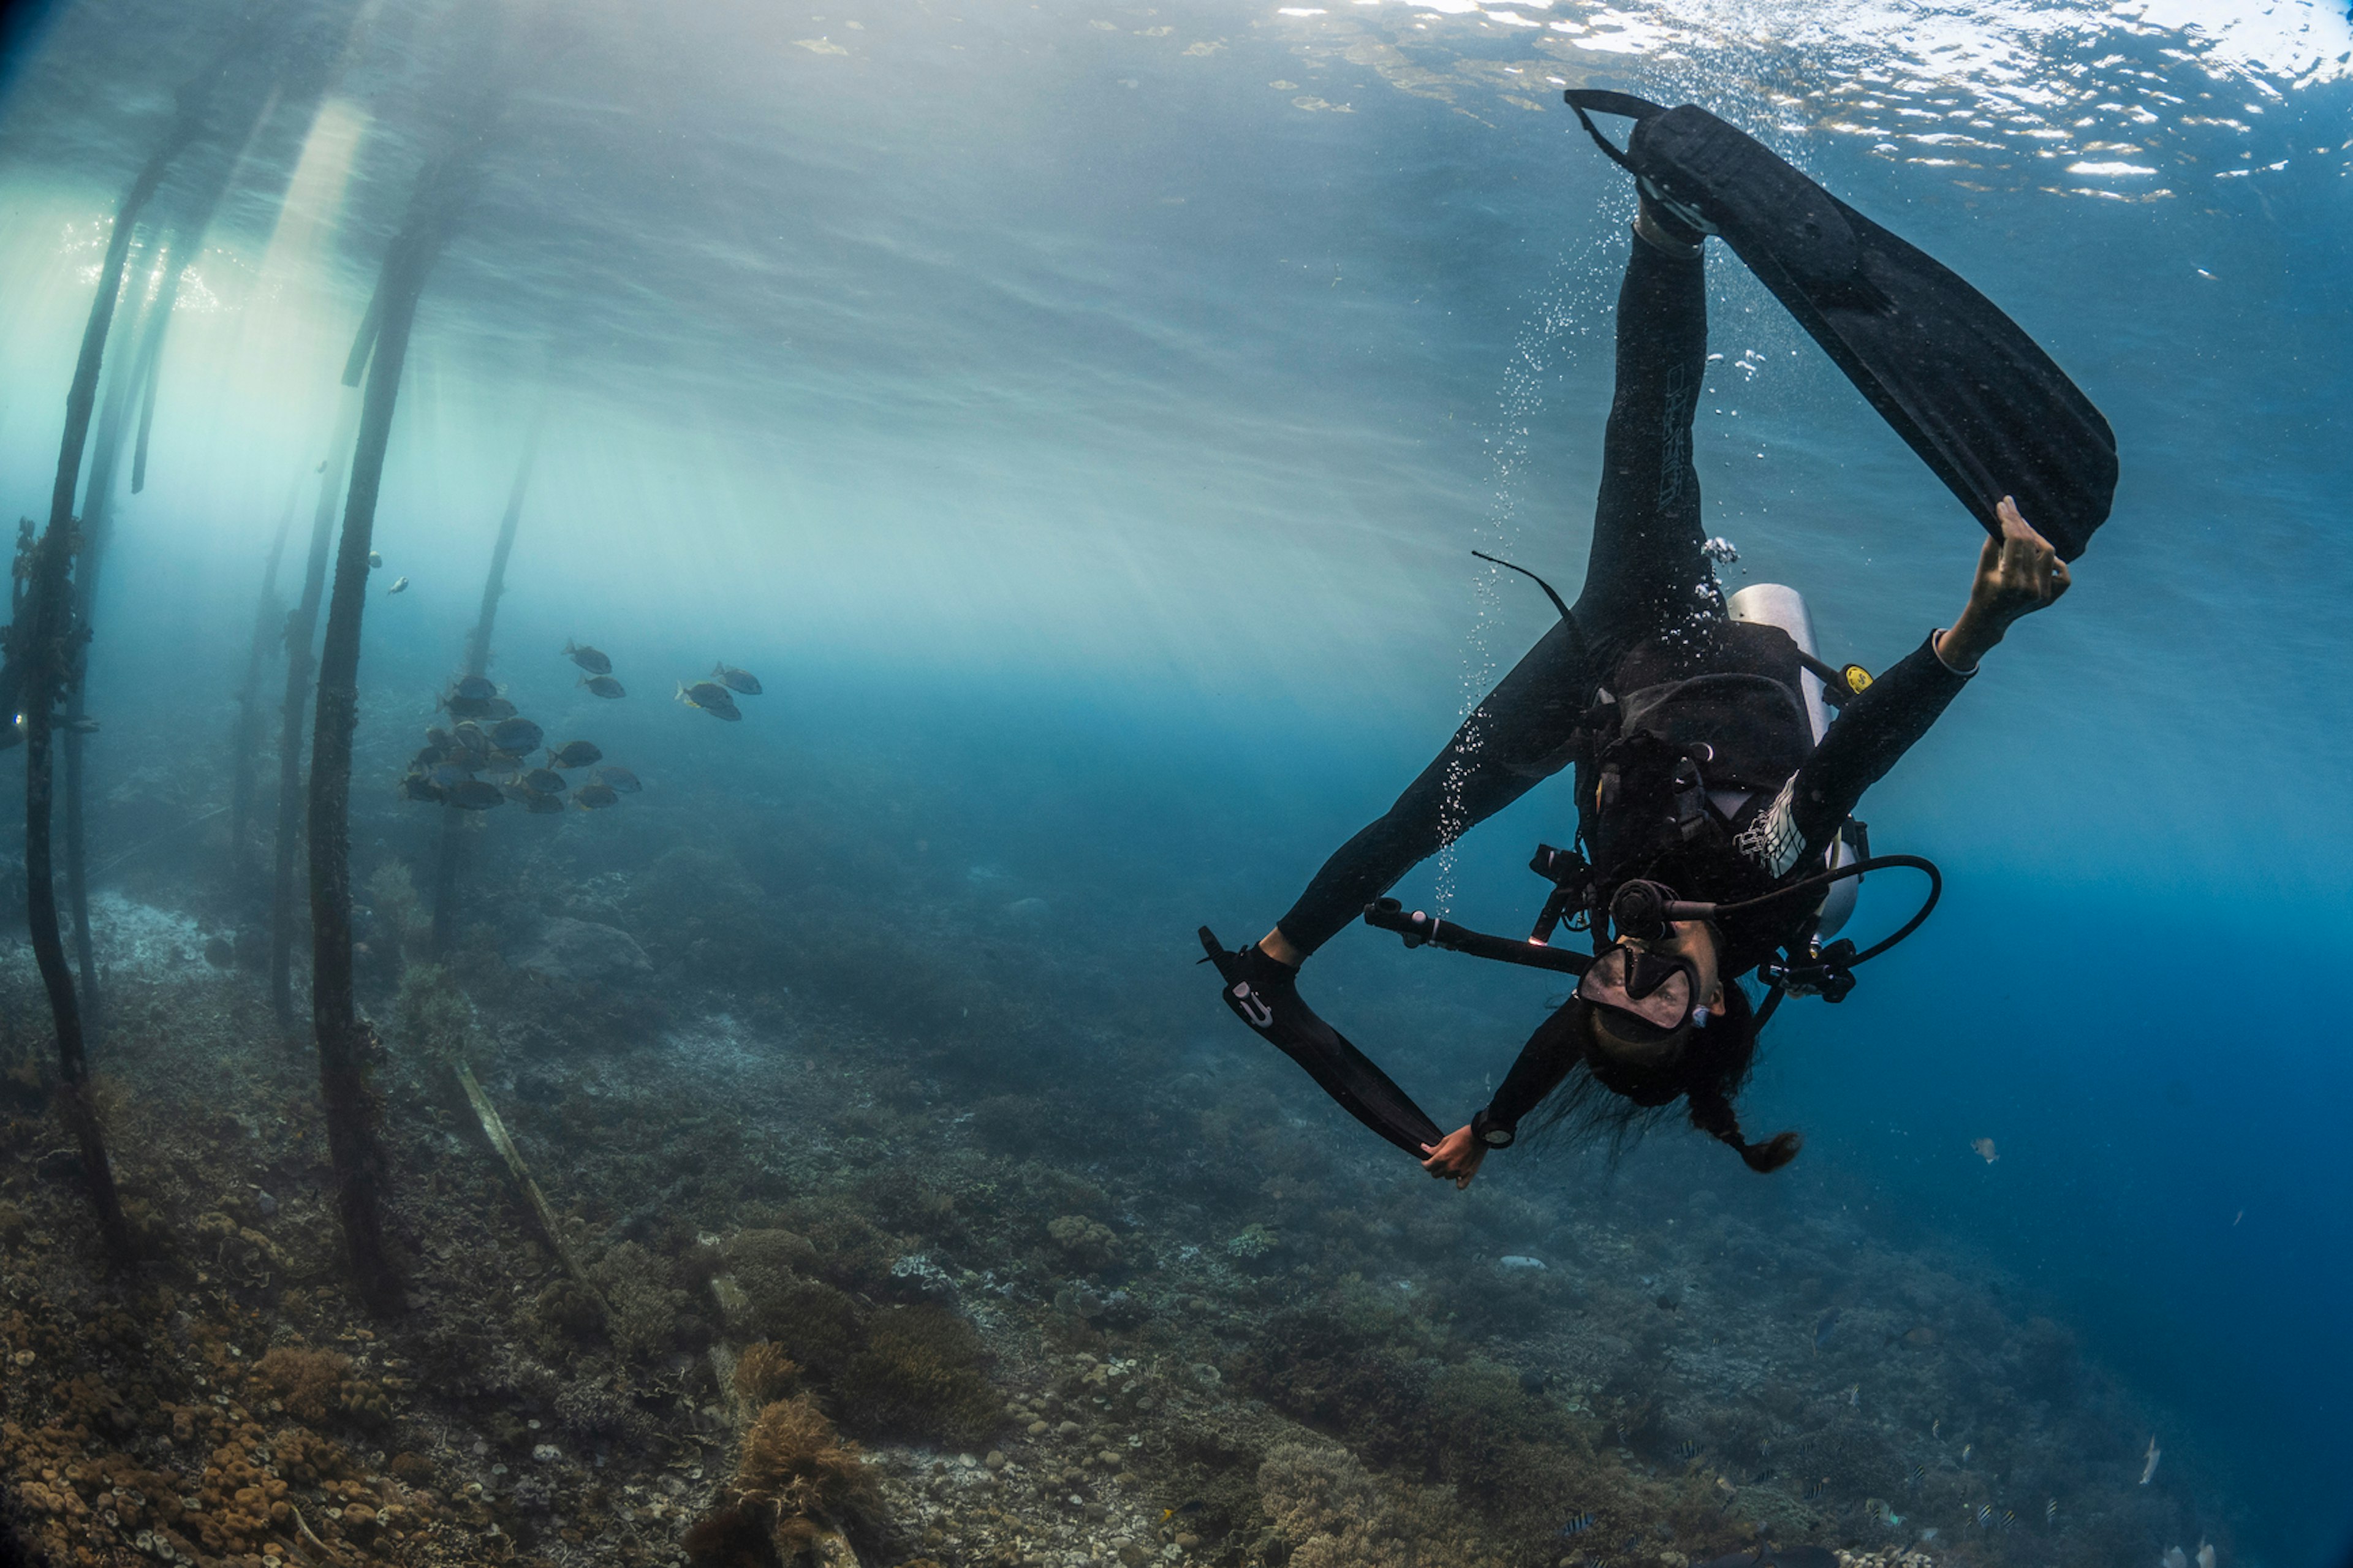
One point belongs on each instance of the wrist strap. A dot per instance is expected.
(1491, 1133)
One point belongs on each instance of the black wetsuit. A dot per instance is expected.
(1648, 642)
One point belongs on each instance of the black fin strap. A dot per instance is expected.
(1531, 576)
(1602, 102)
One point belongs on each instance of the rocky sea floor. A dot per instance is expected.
(832, 1302)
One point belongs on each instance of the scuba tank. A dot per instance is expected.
(1778, 605)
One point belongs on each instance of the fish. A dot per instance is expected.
(375, 559)
(1578, 1525)
(517, 736)
(1183, 1510)
(416, 786)
(441, 737)
(1984, 1514)
(499, 708)
(587, 657)
(710, 697)
(595, 796)
(476, 796)
(1936, 1427)
(540, 803)
(1882, 1512)
(603, 685)
(474, 688)
(1855, 1394)
(548, 781)
(515, 790)
(2008, 1518)
(1687, 1450)
(1986, 1150)
(735, 679)
(2173, 1558)
(1967, 1449)
(574, 754)
(83, 726)
(2205, 1554)
(399, 585)
(617, 778)
(1816, 1489)
(1827, 1322)
(2050, 1511)
(2149, 1468)
(1915, 1474)
(449, 776)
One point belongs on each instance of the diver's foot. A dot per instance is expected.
(1668, 223)
(1663, 232)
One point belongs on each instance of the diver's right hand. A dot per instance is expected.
(1455, 1157)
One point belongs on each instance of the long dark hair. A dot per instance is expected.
(1597, 1102)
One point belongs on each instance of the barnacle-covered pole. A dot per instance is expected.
(347, 1045)
(301, 631)
(39, 650)
(244, 741)
(452, 847)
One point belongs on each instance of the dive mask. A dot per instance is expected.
(1650, 995)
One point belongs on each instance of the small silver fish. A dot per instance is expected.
(399, 587)
(375, 559)
(1936, 1427)
(2050, 1511)
(735, 679)
(1855, 1394)
(1967, 1449)
(2149, 1468)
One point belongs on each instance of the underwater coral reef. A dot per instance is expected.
(809, 1286)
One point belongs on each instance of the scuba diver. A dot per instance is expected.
(1713, 797)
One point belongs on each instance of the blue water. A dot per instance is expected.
(1082, 417)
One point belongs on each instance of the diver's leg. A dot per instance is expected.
(1523, 732)
(1648, 572)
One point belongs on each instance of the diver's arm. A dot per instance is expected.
(2016, 575)
(1557, 1046)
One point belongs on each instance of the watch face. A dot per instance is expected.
(1496, 1138)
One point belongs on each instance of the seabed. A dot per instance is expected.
(837, 1303)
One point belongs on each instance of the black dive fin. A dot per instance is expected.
(1262, 995)
(1964, 386)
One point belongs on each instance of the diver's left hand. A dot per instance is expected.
(1454, 1157)
(2017, 574)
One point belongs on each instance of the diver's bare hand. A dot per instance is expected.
(1454, 1157)
(2017, 574)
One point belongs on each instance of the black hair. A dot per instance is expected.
(1601, 1101)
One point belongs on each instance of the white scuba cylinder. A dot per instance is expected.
(1778, 605)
